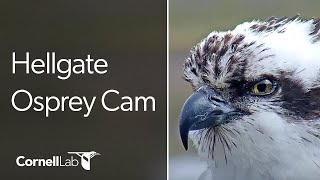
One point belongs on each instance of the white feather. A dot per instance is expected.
(280, 152)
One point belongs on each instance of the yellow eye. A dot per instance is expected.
(263, 87)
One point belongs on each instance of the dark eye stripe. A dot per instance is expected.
(305, 104)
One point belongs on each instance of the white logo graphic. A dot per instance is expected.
(58, 161)
(85, 158)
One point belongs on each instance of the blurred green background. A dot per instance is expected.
(191, 21)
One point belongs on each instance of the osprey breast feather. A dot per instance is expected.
(255, 110)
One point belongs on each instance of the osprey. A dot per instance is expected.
(255, 110)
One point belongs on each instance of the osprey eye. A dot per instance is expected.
(263, 87)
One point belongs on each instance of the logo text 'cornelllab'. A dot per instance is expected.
(58, 161)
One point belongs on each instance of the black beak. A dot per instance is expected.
(204, 108)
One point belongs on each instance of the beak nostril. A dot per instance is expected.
(216, 112)
(216, 99)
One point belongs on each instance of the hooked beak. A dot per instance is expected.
(204, 108)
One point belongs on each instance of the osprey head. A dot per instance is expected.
(256, 91)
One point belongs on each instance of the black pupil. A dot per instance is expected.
(262, 87)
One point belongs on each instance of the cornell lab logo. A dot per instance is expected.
(85, 158)
(58, 161)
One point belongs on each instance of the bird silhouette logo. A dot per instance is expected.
(85, 158)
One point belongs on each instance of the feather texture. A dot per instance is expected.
(280, 139)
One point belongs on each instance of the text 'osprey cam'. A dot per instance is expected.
(255, 110)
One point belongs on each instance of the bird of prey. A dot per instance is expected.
(255, 110)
